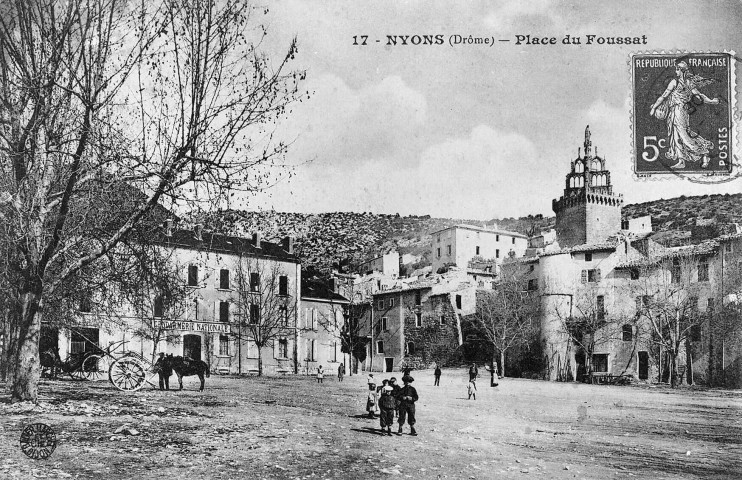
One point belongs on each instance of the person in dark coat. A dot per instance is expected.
(437, 375)
(473, 372)
(164, 371)
(407, 398)
(395, 392)
(341, 372)
(387, 403)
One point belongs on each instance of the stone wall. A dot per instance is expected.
(433, 342)
(570, 225)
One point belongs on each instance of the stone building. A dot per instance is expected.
(320, 323)
(418, 324)
(387, 265)
(205, 323)
(459, 244)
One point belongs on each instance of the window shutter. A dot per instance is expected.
(584, 276)
(597, 275)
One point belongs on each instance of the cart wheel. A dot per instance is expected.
(94, 367)
(74, 367)
(127, 374)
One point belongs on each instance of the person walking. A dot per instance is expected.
(473, 372)
(320, 374)
(437, 375)
(407, 398)
(341, 372)
(387, 404)
(472, 389)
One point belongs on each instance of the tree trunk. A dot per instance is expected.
(502, 364)
(674, 369)
(24, 368)
(260, 361)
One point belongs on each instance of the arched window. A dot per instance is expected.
(579, 168)
(572, 182)
(595, 166)
(628, 333)
(410, 348)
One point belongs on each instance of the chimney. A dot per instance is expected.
(198, 230)
(288, 244)
(256, 239)
(167, 225)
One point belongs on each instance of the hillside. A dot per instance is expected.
(341, 238)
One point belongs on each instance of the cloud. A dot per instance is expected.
(338, 124)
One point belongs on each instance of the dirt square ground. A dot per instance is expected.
(294, 428)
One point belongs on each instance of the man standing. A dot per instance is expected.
(473, 372)
(164, 371)
(341, 372)
(407, 398)
(437, 375)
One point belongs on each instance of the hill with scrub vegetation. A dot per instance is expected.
(342, 239)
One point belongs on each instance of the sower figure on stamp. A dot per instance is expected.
(684, 145)
(407, 398)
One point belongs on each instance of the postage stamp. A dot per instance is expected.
(683, 117)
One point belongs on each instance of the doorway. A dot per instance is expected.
(388, 364)
(643, 365)
(192, 346)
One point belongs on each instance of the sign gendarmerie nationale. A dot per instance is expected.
(206, 327)
(682, 113)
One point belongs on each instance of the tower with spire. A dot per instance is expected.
(588, 212)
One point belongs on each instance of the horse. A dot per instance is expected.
(185, 367)
(50, 363)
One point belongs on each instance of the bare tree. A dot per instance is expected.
(666, 295)
(507, 317)
(172, 98)
(266, 311)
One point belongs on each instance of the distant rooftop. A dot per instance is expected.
(481, 229)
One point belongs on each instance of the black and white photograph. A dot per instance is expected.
(342, 239)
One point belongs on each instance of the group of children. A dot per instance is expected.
(389, 399)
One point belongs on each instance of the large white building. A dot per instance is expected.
(459, 244)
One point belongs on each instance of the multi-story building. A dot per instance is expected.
(230, 286)
(320, 326)
(387, 265)
(459, 244)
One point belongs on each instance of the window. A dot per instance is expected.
(703, 270)
(675, 271)
(159, 306)
(391, 302)
(634, 273)
(418, 299)
(513, 239)
(477, 251)
(497, 253)
(418, 319)
(252, 349)
(310, 350)
(600, 307)
(410, 348)
(642, 301)
(591, 276)
(530, 268)
(224, 279)
(439, 252)
(224, 345)
(283, 311)
(283, 348)
(449, 249)
(627, 332)
(458, 301)
(254, 282)
(728, 248)
(442, 320)
(588, 257)
(379, 347)
(283, 285)
(533, 284)
(497, 238)
(254, 314)
(335, 351)
(192, 275)
(313, 319)
(600, 362)
(224, 312)
(380, 305)
(710, 307)
(384, 325)
(695, 333)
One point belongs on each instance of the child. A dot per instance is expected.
(371, 400)
(472, 389)
(407, 398)
(320, 374)
(387, 404)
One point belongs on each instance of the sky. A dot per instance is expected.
(470, 131)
